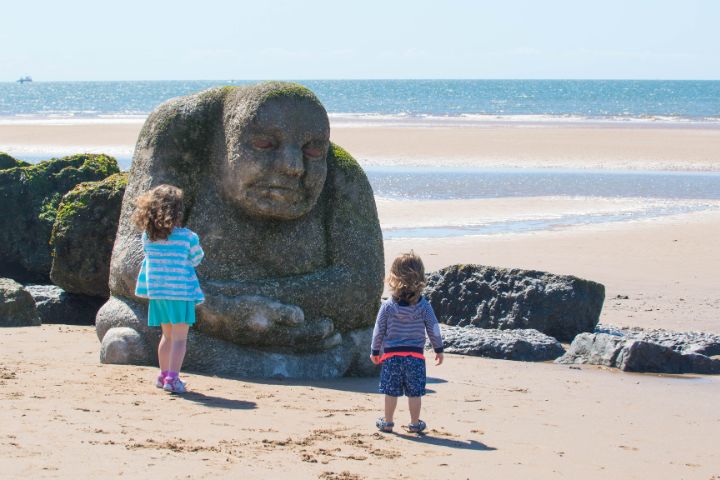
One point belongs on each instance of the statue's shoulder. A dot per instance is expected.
(342, 164)
(346, 177)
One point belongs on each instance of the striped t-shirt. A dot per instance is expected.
(401, 328)
(168, 270)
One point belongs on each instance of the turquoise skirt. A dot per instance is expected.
(171, 311)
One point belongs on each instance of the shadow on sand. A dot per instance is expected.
(217, 402)
(430, 439)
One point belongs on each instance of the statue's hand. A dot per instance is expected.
(264, 322)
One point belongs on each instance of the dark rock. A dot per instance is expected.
(525, 345)
(54, 305)
(294, 272)
(558, 305)
(635, 355)
(84, 234)
(17, 307)
(6, 161)
(29, 196)
(704, 343)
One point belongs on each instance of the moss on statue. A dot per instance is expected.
(31, 195)
(6, 161)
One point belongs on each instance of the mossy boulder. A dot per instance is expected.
(17, 307)
(6, 161)
(30, 196)
(83, 236)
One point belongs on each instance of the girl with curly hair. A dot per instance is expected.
(167, 277)
(399, 335)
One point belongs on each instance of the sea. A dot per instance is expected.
(447, 103)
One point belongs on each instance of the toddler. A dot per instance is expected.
(399, 335)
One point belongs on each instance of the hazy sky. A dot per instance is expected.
(308, 39)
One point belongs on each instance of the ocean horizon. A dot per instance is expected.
(395, 102)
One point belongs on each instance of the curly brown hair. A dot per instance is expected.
(407, 278)
(158, 211)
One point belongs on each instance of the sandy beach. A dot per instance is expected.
(648, 146)
(65, 415)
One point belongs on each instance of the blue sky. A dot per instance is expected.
(279, 39)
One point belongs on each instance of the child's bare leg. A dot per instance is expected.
(414, 404)
(164, 347)
(178, 346)
(390, 404)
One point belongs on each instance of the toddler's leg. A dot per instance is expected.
(164, 347)
(178, 347)
(390, 405)
(414, 404)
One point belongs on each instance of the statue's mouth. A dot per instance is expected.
(284, 192)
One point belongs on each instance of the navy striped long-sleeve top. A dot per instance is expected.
(400, 327)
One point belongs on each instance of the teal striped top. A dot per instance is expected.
(168, 270)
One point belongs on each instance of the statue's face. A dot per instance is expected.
(276, 164)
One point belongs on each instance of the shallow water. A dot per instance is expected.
(656, 195)
(445, 184)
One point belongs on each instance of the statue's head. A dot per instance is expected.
(277, 137)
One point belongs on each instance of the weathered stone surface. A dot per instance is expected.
(703, 343)
(83, 236)
(558, 305)
(30, 196)
(294, 254)
(54, 305)
(527, 345)
(6, 161)
(17, 307)
(138, 345)
(635, 355)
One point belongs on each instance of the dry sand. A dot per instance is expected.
(64, 415)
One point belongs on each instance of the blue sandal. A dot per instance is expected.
(383, 426)
(417, 427)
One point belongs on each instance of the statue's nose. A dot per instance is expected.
(291, 160)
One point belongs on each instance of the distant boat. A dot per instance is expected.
(25, 79)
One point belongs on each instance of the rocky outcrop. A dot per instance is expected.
(525, 345)
(30, 197)
(17, 307)
(703, 343)
(83, 236)
(635, 355)
(54, 305)
(558, 305)
(293, 269)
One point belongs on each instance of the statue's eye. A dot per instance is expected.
(312, 150)
(262, 144)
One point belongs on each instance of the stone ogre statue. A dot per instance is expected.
(293, 267)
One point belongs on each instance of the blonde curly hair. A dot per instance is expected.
(407, 278)
(158, 211)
